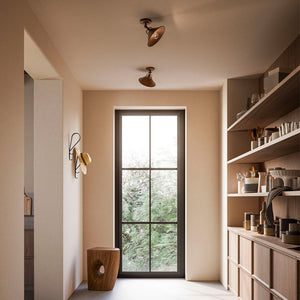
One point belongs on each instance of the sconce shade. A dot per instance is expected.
(147, 80)
(154, 35)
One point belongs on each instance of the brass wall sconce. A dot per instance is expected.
(82, 159)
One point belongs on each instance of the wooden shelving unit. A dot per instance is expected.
(260, 267)
(284, 98)
(249, 195)
(284, 145)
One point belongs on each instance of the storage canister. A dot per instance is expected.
(247, 220)
(254, 221)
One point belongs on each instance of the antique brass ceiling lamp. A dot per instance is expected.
(154, 34)
(147, 80)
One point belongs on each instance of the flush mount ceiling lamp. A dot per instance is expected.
(154, 34)
(147, 80)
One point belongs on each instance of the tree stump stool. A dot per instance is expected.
(103, 267)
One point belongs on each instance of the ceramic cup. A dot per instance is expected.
(253, 145)
(275, 135)
(260, 141)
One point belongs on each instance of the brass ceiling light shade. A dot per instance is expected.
(154, 34)
(147, 80)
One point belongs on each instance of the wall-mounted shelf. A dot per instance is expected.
(285, 194)
(282, 99)
(284, 145)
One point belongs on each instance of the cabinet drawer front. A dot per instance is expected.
(28, 271)
(285, 275)
(233, 246)
(28, 243)
(259, 292)
(245, 285)
(233, 278)
(275, 298)
(261, 264)
(245, 253)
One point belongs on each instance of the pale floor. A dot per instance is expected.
(156, 289)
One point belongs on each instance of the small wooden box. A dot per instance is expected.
(27, 205)
(271, 81)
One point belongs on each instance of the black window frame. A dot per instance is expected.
(180, 191)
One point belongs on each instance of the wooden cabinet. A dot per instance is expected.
(261, 263)
(285, 275)
(245, 285)
(233, 278)
(246, 254)
(262, 267)
(28, 269)
(233, 247)
(260, 292)
(28, 257)
(28, 243)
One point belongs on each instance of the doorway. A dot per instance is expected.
(150, 192)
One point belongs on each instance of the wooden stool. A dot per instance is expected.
(103, 267)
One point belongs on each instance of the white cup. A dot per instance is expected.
(260, 141)
(275, 135)
(253, 145)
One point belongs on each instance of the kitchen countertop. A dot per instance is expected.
(268, 241)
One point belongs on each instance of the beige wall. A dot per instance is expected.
(202, 189)
(71, 230)
(28, 135)
(15, 15)
(48, 190)
(223, 185)
(12, 152)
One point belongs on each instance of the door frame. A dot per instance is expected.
(180, 192)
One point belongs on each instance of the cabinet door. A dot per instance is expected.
(245, 253)
(261, 265)
(28, 271)
(275, 298)
(285, 275)
(233, 278)
(245, 285)
(28, 243)
(233, 246)
(259, 292)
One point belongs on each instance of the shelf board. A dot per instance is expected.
(247, 195)
(282, 99)
(284, 145)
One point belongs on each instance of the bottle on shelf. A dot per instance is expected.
(262, 214)
(268, 178)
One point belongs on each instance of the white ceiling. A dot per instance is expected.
(205, 41)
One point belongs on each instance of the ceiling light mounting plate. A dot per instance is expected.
(150, 69)
(145, 22)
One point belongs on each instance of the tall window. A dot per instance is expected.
(150, 193)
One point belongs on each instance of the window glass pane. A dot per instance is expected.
(164, 141)
(135, 250)
(164, 196)
(164, 248)
(135, 196)
(135, 141)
